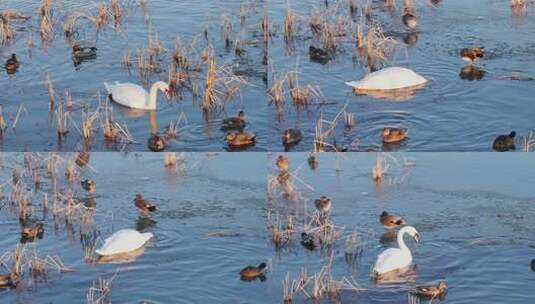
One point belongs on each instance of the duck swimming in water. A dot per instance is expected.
(9, 281)
(12, 64)
(291, 137)
(390, 220)
(252, 272)
(393, 135)
(157, 143)
(241, 139)
(282, 163)
(89, 185)
(432, 291)
(31, 231)
(80, 53)
(504, 143)
(234, 123)
(143, 204)
(319, 55)
(323, 204)
(470, 55)
(308, 241)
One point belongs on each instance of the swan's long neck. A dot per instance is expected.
(401, 242)
(153, 96)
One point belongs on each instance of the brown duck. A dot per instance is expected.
(392, 135)
(9, 281)
(282, 163)
(409, 19)
(291, 136)
(32, 231)
(241, 139)
(143, 204)
(472, 54)
(89, 185)
(234, 123)
(157, 143)
(504, 143)
(323, 204)
(433, 291)
(12, 64)
(252, 272)
(390, 220)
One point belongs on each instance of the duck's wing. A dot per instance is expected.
(128, 94)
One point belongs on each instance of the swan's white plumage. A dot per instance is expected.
(124, 241)
(392, 259)
(393, 78)
(134, 96)
(395, 258)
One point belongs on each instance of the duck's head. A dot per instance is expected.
(76, 48)
(139, 196)
(13, 56)
(157, 143)
(231, 136)
(386, 132)
(241, 115)
(512, 134)
(262, 266)
(442, 286)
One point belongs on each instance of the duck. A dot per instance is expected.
(233, 123)
(390, 220)
(319, 54)
(504, 143)
(240, 139)
(393, 135)
(157, 143)
(81, 53)
(470, 55)
(31, 231)
(12, 64)
(283, 163)
(313, 161)
(136, 97)
(308, 241)
(124, 241)
(432, 291)
(143, 204)
(291, 136)
(89, 185)
(9, 281)
(409, 19)
(323, 204)
(252, 272)
(396, 259)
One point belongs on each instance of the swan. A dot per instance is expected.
(396, 258)
(123, 241)
(136, 97)
(393, 78)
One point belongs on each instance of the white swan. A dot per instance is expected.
(123, 241)
(396, 258)
(136, 97)
(393, 78)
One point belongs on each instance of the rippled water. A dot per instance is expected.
(475, 223)
(36, 131)
(450, 113)
(211, 193)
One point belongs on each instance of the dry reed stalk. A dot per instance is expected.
(87, 123)
(316, 21)
(62, 119)
(210, 97)
(360, 39)
(290, 24)
(265, 26)
(349, 119)
(380, 168)
(102, 18)
(528, 142)
(99, 292)
(226, 30)
(68, 100)
(3, 124)
(6, 31)
(46, 28)
(51, 92)
(276, 92)
(117, 12)
(126, 61)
